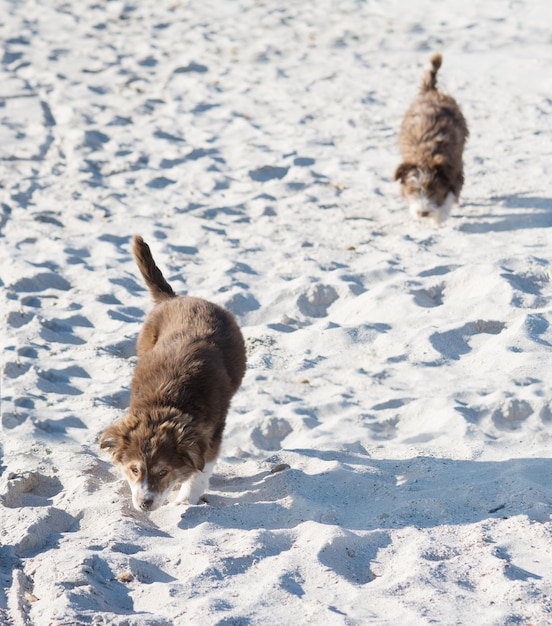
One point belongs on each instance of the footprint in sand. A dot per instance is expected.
(15, 369)
(58, 380)
(263, 352)
(537, 328)
(528, 288)
(512, 414)
(29, 489)
(160, 182)
(95, 140)
(77, 256)
(271, 433)
(59, 330)
(314, 302)
(546, 413)
(27, 123)
(39, 526)
(268, 172)
(118, 400)
(26, 357)
(269, 545)
(386, 428)
(131, 285)
(128, 314)
(23, 409)
(17, 319)
(350, 556)
(147, 573)
(5, 213)
(452, 344)
(57, 426)
(439, 270)
(13, 419)
(240, 304)
(124, 349)
(430, 296)
(41, 282)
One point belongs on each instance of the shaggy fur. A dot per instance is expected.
(191, 361)
(432, 138)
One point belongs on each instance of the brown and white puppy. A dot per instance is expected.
(432, 138)
(191, 361)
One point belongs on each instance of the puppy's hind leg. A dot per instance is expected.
(192, 490)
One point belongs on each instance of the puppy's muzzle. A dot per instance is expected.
(146, 505)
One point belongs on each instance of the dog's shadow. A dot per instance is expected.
(538, 215)
(363, 494)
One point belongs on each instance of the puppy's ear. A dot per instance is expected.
(114, 440)
(188, 446)
(110, 437)
(403, 170)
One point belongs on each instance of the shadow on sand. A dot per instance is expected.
(527, 212)
(362, 494)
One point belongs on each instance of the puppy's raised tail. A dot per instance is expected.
(159, 288)
(430, 79)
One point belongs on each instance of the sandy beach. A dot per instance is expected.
(387, 458)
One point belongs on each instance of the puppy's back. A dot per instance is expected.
(187, 319)
(434, 123)
(196, 321)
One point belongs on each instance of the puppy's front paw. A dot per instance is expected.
(182, 500)
(188, 502)
(185, 498)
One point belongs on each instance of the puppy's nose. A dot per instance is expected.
(146, 504)
(423, 213)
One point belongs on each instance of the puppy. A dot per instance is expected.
(432, 138)
(191, 361)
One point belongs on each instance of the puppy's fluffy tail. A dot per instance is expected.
(430, 79)
(159, 288)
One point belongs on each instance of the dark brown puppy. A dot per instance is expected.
(433, 134)
(191, 361)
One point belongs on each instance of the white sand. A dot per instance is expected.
(402, 372)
